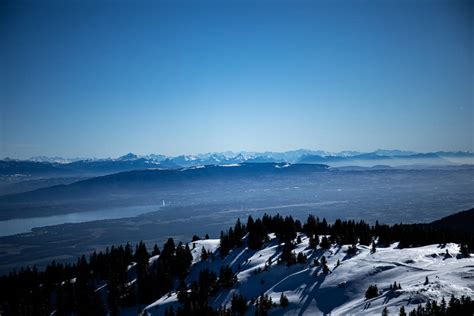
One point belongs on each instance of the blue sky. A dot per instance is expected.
(102, 78)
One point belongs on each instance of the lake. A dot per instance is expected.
(24, 225)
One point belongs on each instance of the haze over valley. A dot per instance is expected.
(113, 201)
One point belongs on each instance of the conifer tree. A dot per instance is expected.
(326, 269)
(239, 304)
(226, 277)
(464, 251)
(156, 250)
(284, 300)
(373, 248)
(372, 291)
(325, 243)
(313, 241)
(204, 254)
(402, 311)
(323, 260)
(301, 258)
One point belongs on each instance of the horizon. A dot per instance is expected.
(234, 153)
(97, 78)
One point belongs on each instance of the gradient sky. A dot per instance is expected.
(102, 78)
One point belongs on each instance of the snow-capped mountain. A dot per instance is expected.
(56, 159)
(186, 160)
(131, 161)
(129, 156)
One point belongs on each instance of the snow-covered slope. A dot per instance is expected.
(342, 291)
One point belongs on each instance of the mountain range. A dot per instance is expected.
(130, 161)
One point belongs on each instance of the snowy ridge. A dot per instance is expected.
(342, 291)
(293, 156)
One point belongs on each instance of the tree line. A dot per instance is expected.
(127, 277)
(341, 232)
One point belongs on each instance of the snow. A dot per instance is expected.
(165, 300)
(231, 165)
(190, 158)
(196, 247)
(341, 292)
(131, 265)
(152, 259)
(195, 167)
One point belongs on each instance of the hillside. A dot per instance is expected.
(340, 292)
(164, 178)
(271, 265)
(404, 276)
(152, 186)
(461, 221)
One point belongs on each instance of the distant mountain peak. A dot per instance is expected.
(393, 152)
(129, 156)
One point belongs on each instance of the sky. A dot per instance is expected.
(103, 78)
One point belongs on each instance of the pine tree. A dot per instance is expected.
(239, 233)
(464, 251)
(141, 253)
(226, 277)
(325, 243)
(352, 250)
(301, 258)
(313, 242)
(263, 305)
(284, 300)
(447, 255)
(238, 304)
(443, 306)
(402, 311)
(372, 291)
(373, 248)
(156, 250)
(287, 254)
(385, 311)
(168, 249)
(323, 260)
(326, 269)
(204, 254)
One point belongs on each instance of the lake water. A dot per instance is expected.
(23, 225)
